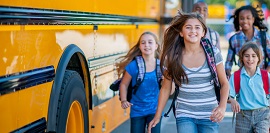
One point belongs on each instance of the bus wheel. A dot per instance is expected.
(72, 110)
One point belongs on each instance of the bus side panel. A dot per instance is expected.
(139, 8)
(8, 115)
(25, 51)
(33, 104)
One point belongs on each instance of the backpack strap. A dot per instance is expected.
(176, 92)
(265, 80)
(237, 79)
(140, 76)
(158, 72)
(217, 39)
(263, 42)
(210, 34)
(210, 56)
(208, 49)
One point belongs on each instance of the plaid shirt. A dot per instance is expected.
(237, 41)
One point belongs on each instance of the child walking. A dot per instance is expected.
(202, 8)
(251, 104)
(245, 20)
(184, 61)
(144, 102)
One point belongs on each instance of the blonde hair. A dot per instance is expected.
(133, 52)
(247, 46)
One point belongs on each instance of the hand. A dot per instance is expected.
(152, 124)
(217, 114)
(235, 106)
(228, 74)
(125, 104)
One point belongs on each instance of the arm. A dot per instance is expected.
(219, 112)
(229, 60)
(123, 90)
(162, 100)
(234, 104)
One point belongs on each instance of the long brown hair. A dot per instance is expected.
(254, 47)
(133, 52)
(173, 45)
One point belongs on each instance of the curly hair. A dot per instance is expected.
(173, 45)
(258, 21)
(123, 61)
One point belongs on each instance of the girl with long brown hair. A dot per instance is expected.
(184, 62)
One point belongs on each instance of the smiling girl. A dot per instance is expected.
(184, 61)
(144, 103)
(246, 21)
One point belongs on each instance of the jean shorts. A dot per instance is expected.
(192, 125)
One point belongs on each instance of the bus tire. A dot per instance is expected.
(72, 109)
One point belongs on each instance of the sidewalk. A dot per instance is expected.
(168, 124)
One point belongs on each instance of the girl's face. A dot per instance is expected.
(192, 31)
(148, 45)
(246, 20)
(250, 59)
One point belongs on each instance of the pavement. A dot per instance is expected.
(168, 124)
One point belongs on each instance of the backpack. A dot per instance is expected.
(140, 76)
(263, 37)
(209, 52)
(237, 79)
(213, 36)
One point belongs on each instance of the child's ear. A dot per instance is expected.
(156, 46)
(203, 35)
(181, 34)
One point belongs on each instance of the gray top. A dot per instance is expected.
(197, 99)
(213, 36)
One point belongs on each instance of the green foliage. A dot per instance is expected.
(267, 2)
(233, 2)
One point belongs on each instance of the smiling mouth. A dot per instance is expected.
(245, 25)
(192, 36)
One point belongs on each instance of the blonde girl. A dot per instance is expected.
(144, 103)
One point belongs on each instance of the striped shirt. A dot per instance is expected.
(197, 99)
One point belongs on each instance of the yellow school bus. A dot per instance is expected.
(57, 62)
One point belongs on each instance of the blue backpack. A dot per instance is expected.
(141, 65)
